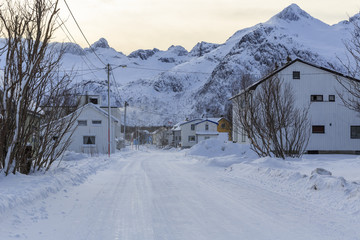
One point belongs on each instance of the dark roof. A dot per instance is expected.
(254, 85)
(207, 120)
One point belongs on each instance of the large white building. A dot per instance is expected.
(334, 127)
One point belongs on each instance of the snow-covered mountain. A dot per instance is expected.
(168, 86)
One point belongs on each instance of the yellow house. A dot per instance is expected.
(224, 125)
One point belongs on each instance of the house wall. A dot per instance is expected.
(225, 126)
(100, 131)
(336, 118)
(186, 132)
(199, 132)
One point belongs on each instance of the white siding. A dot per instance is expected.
(199, 133)
(336, 118)
(100, 131)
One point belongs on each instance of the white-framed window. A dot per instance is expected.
(316, 98)
(192, 127)
(207, 127)
(82, 123)
(191, 139)
(96, 122)
(89, 140)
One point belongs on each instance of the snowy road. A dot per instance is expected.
(147, 195)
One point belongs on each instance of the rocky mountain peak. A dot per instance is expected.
(178, 50)
(292, 13)
(101, 43)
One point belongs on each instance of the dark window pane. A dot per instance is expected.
(318, 129)
(316, 98)
(94, 100)
(355, 132)
(89, 140)
(331, 98)
(82, 122)
(296, 75)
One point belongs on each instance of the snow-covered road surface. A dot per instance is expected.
(145, 195)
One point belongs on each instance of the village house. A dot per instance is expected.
(197, 130)
(334, 127)
(224, 126)
(90, 131)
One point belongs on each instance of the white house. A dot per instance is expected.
(91, 131)
(334, 128)
(197, 130)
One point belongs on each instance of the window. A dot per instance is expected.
(206, 127)
(318, 129)
(316, 98)
(355, 132)
(96, 122)
(82, 123)
(191, 138)
(192, 127)
(331, 98)
(223, 126)
(89, 140)
(296, 75)
(94, 101)
(207, 138)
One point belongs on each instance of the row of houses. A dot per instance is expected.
(190, 132)
(334, 127)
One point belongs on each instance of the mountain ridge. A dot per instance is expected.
(171, 85)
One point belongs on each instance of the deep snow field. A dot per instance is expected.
(327, 179)
(331, 182)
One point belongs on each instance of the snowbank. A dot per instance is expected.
(314, 178)
(75, 168)
(219, 152)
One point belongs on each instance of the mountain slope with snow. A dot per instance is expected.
(169, 86)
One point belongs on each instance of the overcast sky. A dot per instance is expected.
(129, 25)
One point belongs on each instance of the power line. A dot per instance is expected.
(83, 33)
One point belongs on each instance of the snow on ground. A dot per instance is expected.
(216, 190)
(73, 170)
(331, 180)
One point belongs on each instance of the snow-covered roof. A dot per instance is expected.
(190, 121)
(207, 120)
(257, 83)
(91, 105)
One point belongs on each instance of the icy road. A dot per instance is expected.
(145, 195)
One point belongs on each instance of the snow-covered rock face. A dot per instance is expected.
(178, 50)
(292, 13)
(101, 43)
(174, 84)
(201, 48)
(143, 54)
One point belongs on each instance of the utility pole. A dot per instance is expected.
(109, 110)
(126, 104)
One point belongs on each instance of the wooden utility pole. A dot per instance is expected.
(109, 110)
(126, 104)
